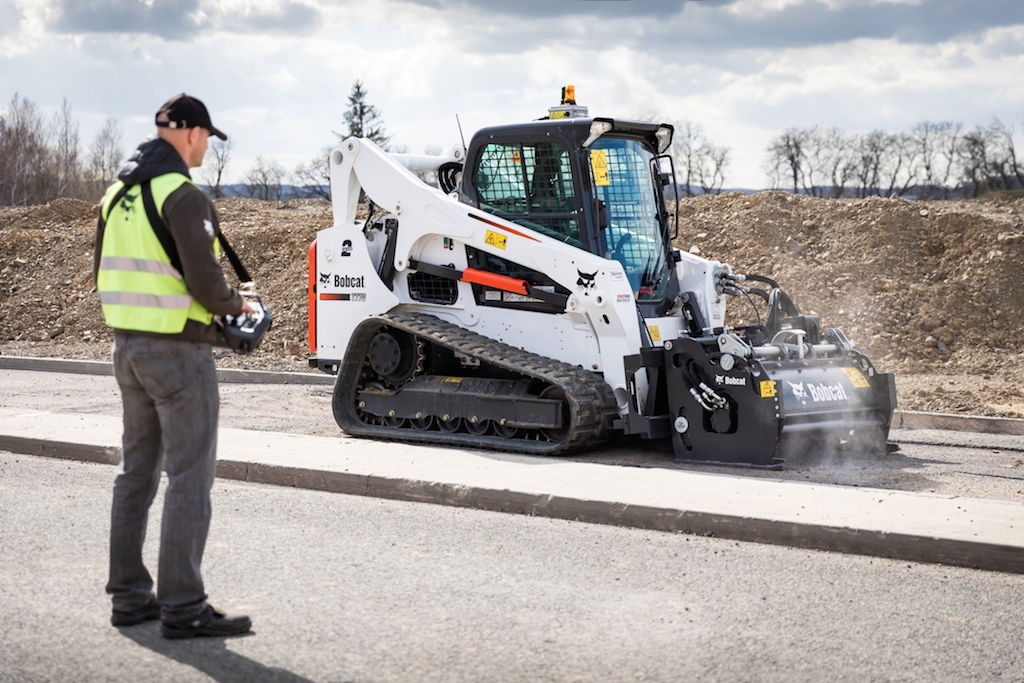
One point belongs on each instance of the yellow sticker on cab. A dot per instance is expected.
(599, 164)
(768, 388)
(857, 378)
(495, 239)
(655, 333)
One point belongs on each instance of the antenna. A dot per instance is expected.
(459, 123)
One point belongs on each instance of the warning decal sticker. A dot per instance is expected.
(857, 378)
(495, 239)
(599, 164)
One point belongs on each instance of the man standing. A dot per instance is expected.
(160, 285)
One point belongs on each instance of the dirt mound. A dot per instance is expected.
(911, 282)
(47, 292)
(930, 290)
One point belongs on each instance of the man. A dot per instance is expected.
(160, 285)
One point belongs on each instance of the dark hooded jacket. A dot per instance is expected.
(187, 212)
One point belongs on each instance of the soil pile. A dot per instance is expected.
(929, 290)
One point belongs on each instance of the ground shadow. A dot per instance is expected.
(211, 656)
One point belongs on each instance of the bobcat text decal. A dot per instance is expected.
(818, 393)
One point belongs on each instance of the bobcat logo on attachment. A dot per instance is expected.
(586, 280)
(325, 278)
(798, 390)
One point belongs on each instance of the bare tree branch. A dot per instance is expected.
(216, 163)
(105, 156)
(264, 179)
(314, 177)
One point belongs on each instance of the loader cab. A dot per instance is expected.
(594, 184)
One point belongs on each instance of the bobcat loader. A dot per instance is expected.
(535, 303)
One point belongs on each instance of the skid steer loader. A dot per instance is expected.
(535, 303)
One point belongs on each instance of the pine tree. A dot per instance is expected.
(363, 118)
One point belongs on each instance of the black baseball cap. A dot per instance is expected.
(185, 111)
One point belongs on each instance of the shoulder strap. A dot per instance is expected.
(159, 227)
(167, 242)
(236, 263)
(109, 206)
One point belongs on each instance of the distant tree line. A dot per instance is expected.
(41, 158)
(931, 161)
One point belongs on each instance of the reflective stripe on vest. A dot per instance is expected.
(148, 300)
(139, 288)
(138, 264)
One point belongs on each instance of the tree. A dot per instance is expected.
(935, 145)
(687, 139)
(787, 159)
(26, 169)
(698, 162)
(313, 179)
(363, 119)
(838, 164)
(105, 156)
(711, 163)
(219, 158)
(66, 153)
(870, 155)
(264, 179)
(900, 165)
(1005, 163)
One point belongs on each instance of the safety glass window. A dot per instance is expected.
(623, 180)
(529, 184)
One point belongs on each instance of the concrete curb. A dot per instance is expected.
(906, 419)
(63, 450)
(96, 367)
(928, 548)
(902, 419)
(810, 536)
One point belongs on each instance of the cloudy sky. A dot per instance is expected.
(276, 73)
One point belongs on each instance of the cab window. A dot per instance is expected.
(529, 184)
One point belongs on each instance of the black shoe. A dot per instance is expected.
(210, 623)
(148, 613)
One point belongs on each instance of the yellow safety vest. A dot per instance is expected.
(139, 288)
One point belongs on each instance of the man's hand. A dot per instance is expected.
(247, 309)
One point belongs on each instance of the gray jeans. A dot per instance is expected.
(171, 404)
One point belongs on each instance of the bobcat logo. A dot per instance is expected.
(798, 390)
(586, 280)
(325, 278)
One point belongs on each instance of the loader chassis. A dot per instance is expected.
(539, 307)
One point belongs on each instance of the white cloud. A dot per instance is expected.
(276, 74)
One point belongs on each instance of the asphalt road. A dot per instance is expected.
(347, 588)
(972, 465)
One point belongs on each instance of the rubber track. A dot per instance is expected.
(591, 402)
